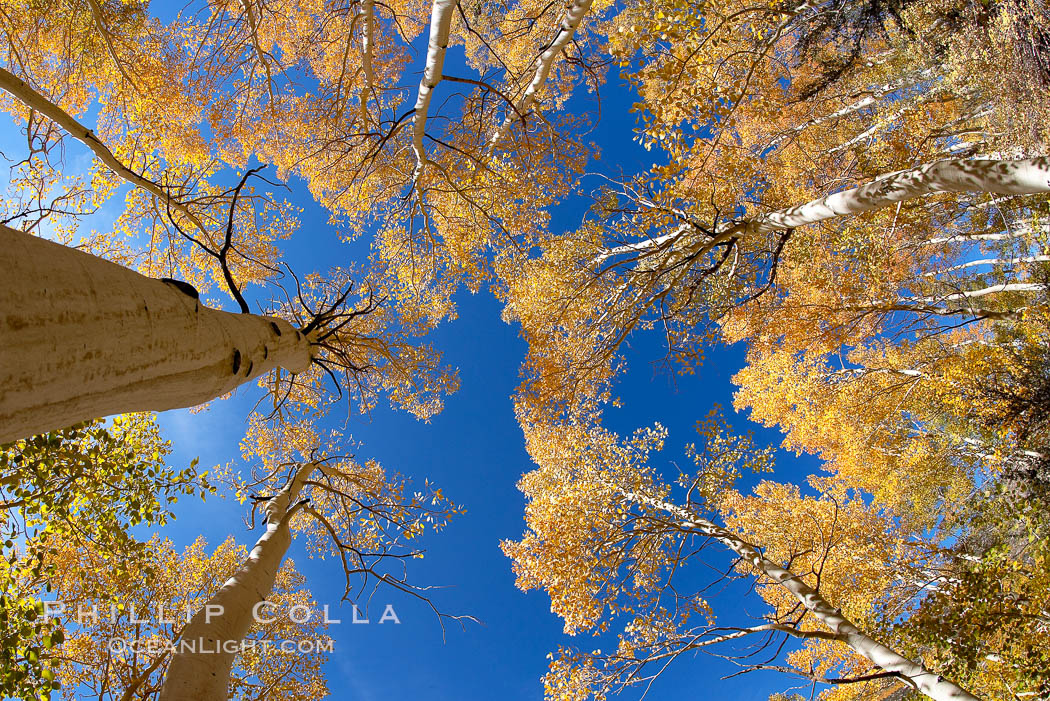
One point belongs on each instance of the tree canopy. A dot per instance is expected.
(849, 194)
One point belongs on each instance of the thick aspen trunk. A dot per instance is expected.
(82, 338)
(933, 685)
(208, 645)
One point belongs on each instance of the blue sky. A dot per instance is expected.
(474, 452)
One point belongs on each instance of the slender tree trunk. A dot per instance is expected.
(1020, 177)
(566, 30)
(981, 292)
(1005, 177)
(880, 124)
(367, 15)
(1017, 233)
(933, 685)
(1003, 262)
(200, 669)
(440, 28)
(872, 95)
(34, 100)
(82, 338)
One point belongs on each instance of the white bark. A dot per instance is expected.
(862, 372)
(1026, 453)
(989, 261)
(440, 27)
(1017, 177)
(913, 306)
(200, 668)
(872, 96)
(642, 246)
(994, 202)
(82, 338)
(981, 292)
(1005, 177)
(1020, 232)
(867, 133)
(981, 111)
(933, 685)
(959, 146)
(544, 63)
(367, 12)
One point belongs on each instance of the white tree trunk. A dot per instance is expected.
(367, 16)
(974, 294)
(871, 96)
(207, 647)
(1005, 177)
(566, 30)
(82, 338)
(882, 123)
(440, 28)
(933, 685)
(1019, 177)
(1004, 262)
(1016, 233)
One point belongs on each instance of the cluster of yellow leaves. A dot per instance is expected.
(837, 543)
(753, 107)
(86, 487)
(166, 579)
(574, 513)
